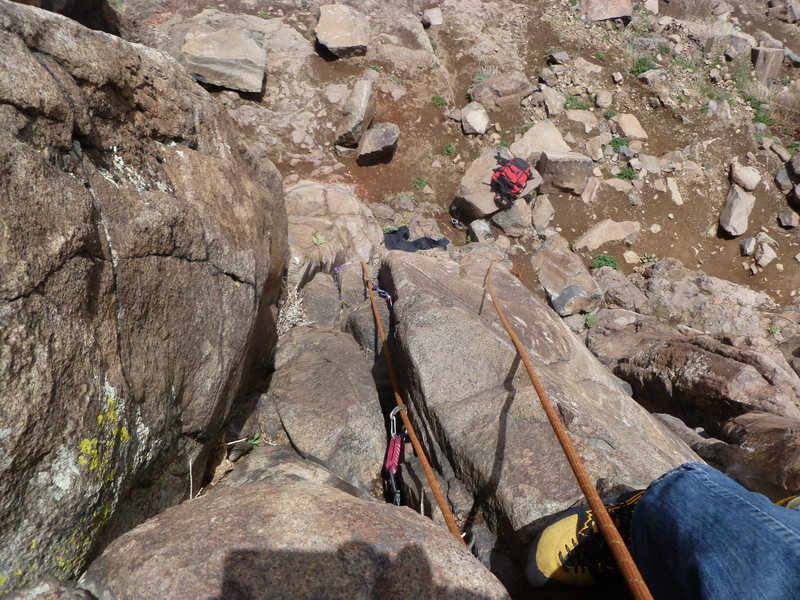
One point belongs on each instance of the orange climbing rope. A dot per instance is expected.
(420, 452)
(630, 571)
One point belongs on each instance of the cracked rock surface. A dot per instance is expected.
(141, 248)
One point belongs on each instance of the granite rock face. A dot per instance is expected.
(131, 294)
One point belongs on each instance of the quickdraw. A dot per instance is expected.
(393, 454)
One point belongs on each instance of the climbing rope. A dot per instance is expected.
(630, 571)
(412, 436)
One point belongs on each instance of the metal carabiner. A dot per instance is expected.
(392, 421)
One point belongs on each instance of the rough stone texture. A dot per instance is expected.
(721, 111)
(563, 276)
(230, 57)
(607, 231)
(564, 171)
(789, 219)
(584, 117)
(542, 212)
(289, 530)
(49, 588)
(475, 198)
(697, 378)
(502, 91)
(488, 421)
(342, 30)
(767, 63)
(141, 259)
(321, 300)
(554, 101)
(341, 224)
(544, 136)
(359, 111)
(736, 212)
(474, 119)
(327, 402)
(601, 10)
(378, 144)
(745, 177)
(515, 220)
(628, 126)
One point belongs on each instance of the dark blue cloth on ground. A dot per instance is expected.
(398, 240)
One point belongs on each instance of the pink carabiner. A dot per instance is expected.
(393, 454)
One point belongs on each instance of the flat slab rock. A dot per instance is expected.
(290, 531)
(601, 10)
(478, 404)
(566, 280)
(606, 231)
(502, 91)
(378, 144)
(342, 30)
(233, 58)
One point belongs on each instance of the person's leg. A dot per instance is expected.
(697, 534)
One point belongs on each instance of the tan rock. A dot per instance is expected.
(606, 231)
(627, 125)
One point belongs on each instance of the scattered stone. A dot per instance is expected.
(554, 101)
(233, 58)
(767, 63)
(474, 119)
(480, 231)
(594, 148)
(544, 136)
(631, 258)
(720, 110)
(590, 193)
(342, 30)
(603, 99)
(736, 212)
(359, 112)
(564, 171)
(659, 185)
(563, 276)
(602, 10)
(745, 177)
(515, 220)
(559, 58)
(616, 76)
(747, 246)
(634, 199)
(651, 5)
(780, 151)
(433, 17)
(607, 231)
(542, 212)
(764, 254)
(627, 125)
(618, 184)
(789, 219)
(584, 67)
(783, 181)
(655, 228)
(378, 144)
(548, 77)
(674, 191)
(585, 117)
(652, 78)
(502, 91)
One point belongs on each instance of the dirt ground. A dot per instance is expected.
(688, 232)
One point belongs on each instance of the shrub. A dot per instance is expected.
(481, 75)
(449, 149)
(524, 129)
(628, 174)
(575, 103)
(619, 142)
(419, 182)
(439, 100)
(648, 258)
(604, 260)
(609, 114)
(642, 65)
(376, 68)
(505, 144)
(761, 110)
(589, 319)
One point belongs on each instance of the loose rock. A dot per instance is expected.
(342, 30)
(378, 144)
(736, 212)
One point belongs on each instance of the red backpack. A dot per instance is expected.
(509, 179)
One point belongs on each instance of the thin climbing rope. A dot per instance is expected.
(623, 558)
(418, 449)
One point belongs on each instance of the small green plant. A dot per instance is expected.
(601, 56)
(606, 37)
(642, 65)
(575, 103)
(648, 258)
(396, 79)
(628, 174)
(504, 144)
(254, 440)
(388, 228)
(524, 129)
(264, 14)
(318, 239)
(419, 182)
(550, 51)
(439, 100)
(604, 260)
(376, 68)
(681, 62)
(481, 75)
(434, 43)
(469, 239)
(609, 114)
(761, 112)
(774, 329)
(618, 143)
(589, 319)
(664, 49)
(573, 2)
(449, 149)
(682, 99)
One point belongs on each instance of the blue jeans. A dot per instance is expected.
(698, 535)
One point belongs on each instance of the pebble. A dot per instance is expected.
(655, 228)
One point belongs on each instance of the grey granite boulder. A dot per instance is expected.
(342, 30)
(378, 144)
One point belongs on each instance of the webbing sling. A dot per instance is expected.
(412, 435)
(630, 571)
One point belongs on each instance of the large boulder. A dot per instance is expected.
(359, 111)
(472, 398)
(697, 378)
(502, 91)
(328, 225)
(736, 212)
(328, 405)
(564, 171)
(563, 276)
(607, 231)
(602, 10)
(287, 528)
(342, 30)
(544, 136)
(140, 261)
